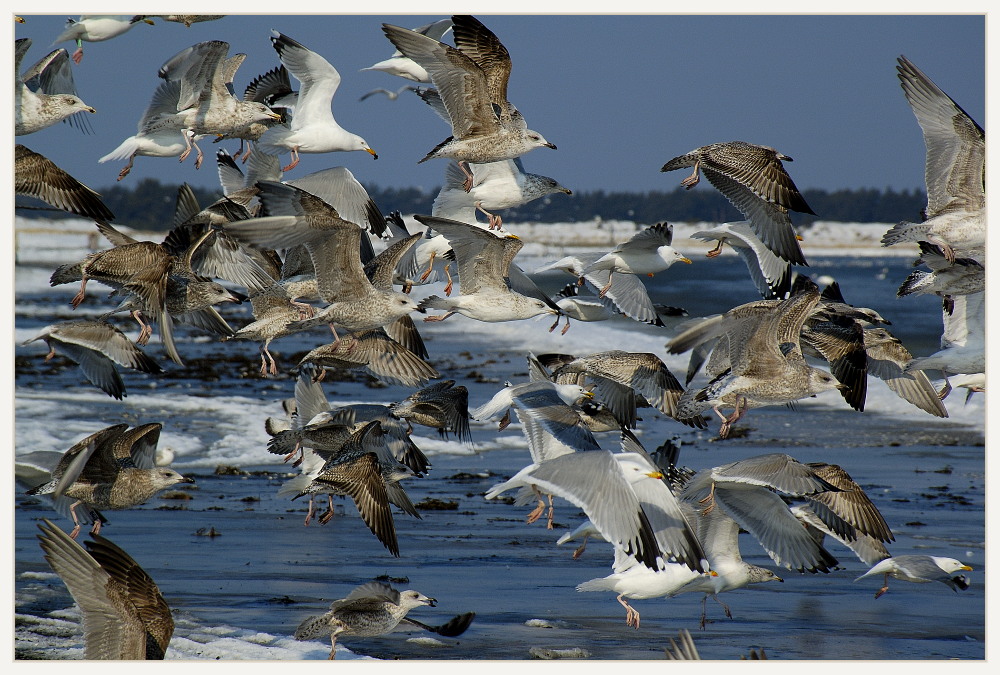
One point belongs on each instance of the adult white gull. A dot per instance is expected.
(313, 128)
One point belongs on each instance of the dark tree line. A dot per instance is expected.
(149, 205)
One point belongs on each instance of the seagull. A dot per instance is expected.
(472, 83)
(96, 346)
(759, 361)
(313, 128)
(647, 252)
(333, 244)
(160, 132)
(441, 406)
(371, 609)
(113, 468)
(357, 470)
(961, 277)
(622, 381)
(495, 185)
(627, 295)
(963, 342)
(206, 104)
(123, 613)
(96, 28)
(484, 262)
(920, 569)
(45, 94)
(754, 180)
(391, 95)
(37, 176)
(399, 65)
(376, 353)
(770, 274)
(955, 171)
(187, 19)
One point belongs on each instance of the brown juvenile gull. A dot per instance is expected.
(441, 406)
(754, 180)
(187, 19)
(623, 381)
(114, 468)
(206, 105)
(96, 28)
(955, 171)
(334, 248)
(473, 88)
(34, 109)
(96, 346)
(313, 128)
(378, 354)
(920, 569)
(38, 176)
(765, 364)
(484, 261)
(124, 616)
(364, 470)
(647, 252)
(369, 610)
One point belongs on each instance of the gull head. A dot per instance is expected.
(359, 143)
(410, 599)
(261, 113)
(820, 381)
(74, 103)
(536, 140)
(950, 565)
(163, 478)
(670, 255)
(571, 393)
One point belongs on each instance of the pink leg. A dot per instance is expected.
(128, 167)
(439, 317)
(631, 616)
(78, 298)
(295, 160)
(693, 179)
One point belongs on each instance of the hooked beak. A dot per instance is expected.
(713, 573)
(371, 152)
(550, 145)
(655, 474)
(566, 190)
(966, 568)
(90, 110)
(685, 260)
(187, 480)
(432, 602)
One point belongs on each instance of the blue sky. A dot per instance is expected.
(618, 95)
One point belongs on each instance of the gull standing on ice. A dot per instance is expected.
(313, 128)
(955, 171)
(369, 610)
(754, 180)
(124, 616)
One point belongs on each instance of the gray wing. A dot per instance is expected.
(956, 145)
